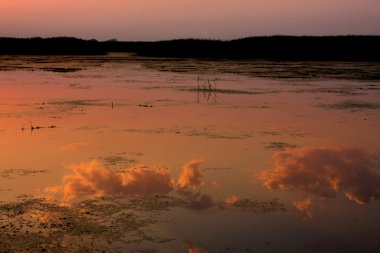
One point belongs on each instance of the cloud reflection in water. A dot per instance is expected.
(304, 206)
(93, 180)
(194, 248)
(325, 172)
(191, 176)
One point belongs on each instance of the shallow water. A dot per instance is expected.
(125, 154)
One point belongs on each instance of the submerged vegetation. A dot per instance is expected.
(335, 48)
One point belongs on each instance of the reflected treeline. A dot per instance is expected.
(341, 48)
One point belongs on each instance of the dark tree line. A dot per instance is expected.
(342, 48)
(50, 46)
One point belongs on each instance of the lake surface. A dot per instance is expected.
(118, 153)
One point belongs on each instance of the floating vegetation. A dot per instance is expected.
(59, 108)
(156, 203)
(260, 207)
(221, 91)
(273, 133)
(148, 131)
(355, 105)
(145, 105)
(236, 250)
(144, 251)
(32, 128)
(61, 70)
(117, 160)
(80, 86)
(93, 226)
(278, 145)
(96, 225)
(93, 127)
(204, 132)
(9, 173)
(289, 132)
(337, 90)
(208, 86)
(212, 135)
(85, 102)
(217, 168)
(249, 106)
(156, 87)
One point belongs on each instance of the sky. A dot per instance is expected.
(149, 20)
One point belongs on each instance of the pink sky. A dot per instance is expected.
(168, 19)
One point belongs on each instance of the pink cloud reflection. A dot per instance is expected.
(325, 172)
(93, 179)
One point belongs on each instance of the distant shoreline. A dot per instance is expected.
(282, 48)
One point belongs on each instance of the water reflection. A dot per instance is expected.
(217, 205)
(191, 176)
(88, 180)
(192, 248)
(198, 200)
(304, 206)
(74, 146)
(93, 179)
(324, 172)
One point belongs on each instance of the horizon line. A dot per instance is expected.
(190, 38)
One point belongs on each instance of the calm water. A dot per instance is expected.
(124, 154)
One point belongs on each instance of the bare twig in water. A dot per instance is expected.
(208, 88)
(32, 128)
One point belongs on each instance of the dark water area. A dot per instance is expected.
(119, 153)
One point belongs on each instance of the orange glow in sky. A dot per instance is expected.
(168, 19)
